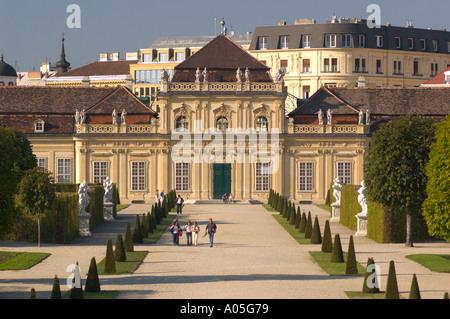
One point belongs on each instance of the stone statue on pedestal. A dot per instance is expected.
(362, 199)
(108, 187)
(123, 117)
(337, 191)
(83, 198)
(115, 117)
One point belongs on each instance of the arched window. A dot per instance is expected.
(222, 123)
(2, 83)
(181, 123)
(262, 124)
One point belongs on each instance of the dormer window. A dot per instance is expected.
(39, 126)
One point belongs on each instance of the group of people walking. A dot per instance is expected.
(192, 232)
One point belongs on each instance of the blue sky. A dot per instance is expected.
(30, 30)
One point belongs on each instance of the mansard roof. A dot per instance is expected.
(221, 57)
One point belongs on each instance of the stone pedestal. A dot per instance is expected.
(83, 222)
(108, 211)
(335, 213)
(361, 225)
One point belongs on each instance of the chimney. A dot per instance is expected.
(115, 56)
(103, 56)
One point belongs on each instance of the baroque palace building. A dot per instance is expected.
(221, 129)
(345, 52)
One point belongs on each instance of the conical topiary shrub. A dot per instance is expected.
(292, 215)
(392, 286)
(302, 226)
(327, 244)
(119, 253)
(129, 246)
(351, 267)
(33, 294)
(148, 220)
(298, 218)
(316, 236)
(92, 281)
(76, 292)
(137, 233)
(56, 289)
(414, 292)
(309, 226)
(110, 262)
(337, 256)
(371, 284)
(446, 295)
(144, 230)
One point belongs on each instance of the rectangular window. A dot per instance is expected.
(423, 44)
(397, 67)
(360, 65)
(100, 172)
(137, 176)
(305, 176)
(410, 43)
(416, 67)
(163, 57)
(379, 68)
(334, 65)
(448, 47)
(42, 162)
(434, 69)
(361, 41)
(284, 65)
(326, 65)
(306, 41)
(262, 42)
(146, 57)
(435, 45)
(306, 91)
(262, 176)
(182, 176)
(306, 66)
(346, 41)
(398, 42)
(330, 40)
(284, 42)
(379, 41)
(179, 56)
(64, 170)
(344, 172)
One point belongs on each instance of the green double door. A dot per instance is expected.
(221, 180)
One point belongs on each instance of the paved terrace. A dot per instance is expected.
(253, 257)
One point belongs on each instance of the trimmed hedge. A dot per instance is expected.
(383, 225)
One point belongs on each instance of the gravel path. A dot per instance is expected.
(252, 257)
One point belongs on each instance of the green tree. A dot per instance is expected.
(92, 281)
(436, 207)
(56, 289)
(351, 266)
(129, 246)
(302, 227)
(119, 253)
(137, 232)
(327, 244)
(316, 237)
(395, 172)
(298, 218)
(308, 229)
(337, 256)
(392, 286)
(110, 262)
(33, 294)
(36, 194)
(414, 292)
(16, 157)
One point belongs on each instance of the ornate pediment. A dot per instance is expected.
(183, 110)
(223, 110)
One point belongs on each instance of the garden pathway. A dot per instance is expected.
(253, 257)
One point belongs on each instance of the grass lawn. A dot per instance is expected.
(299, 237)
(361, 295)
(160, 229)
(20, 260)
(107, 294)
(121, 206)
(434, 262)
(334, 269)
(133, 261)
(269, 208)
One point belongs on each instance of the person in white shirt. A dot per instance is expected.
(179, 203)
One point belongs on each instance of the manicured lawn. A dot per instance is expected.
(325, 207)
(20, 260)
(334, 269)
(133, 261)
(269, 208)
(299, 237)
(160, 229)
(361, 295)
(121, 206)
(434, 262)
